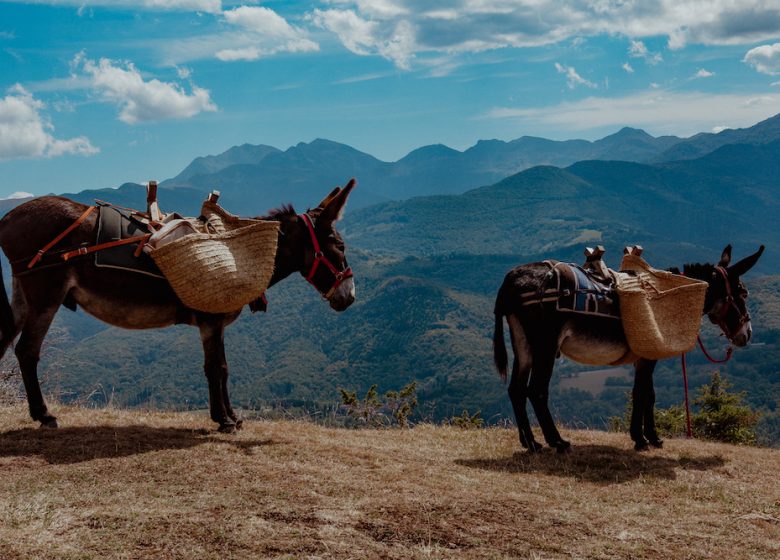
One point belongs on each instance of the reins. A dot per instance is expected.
(729, 350)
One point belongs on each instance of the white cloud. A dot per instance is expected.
(702, 73)
(638, 49)
(573, 79)
(245, 53)
(661, 112)
(208, 6)
(25, 133)
(718, 129)
(765, 59)
(628, 68)
(18, 194)
(139, 100)
(458, 26)
(264, 32)
(395, 42)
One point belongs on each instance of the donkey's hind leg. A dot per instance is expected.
(518, 384)
(28, 352)
(538, 391)
(19, 311)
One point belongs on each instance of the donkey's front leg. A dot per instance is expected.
(212, 332)
(225, 397)
(643, 407)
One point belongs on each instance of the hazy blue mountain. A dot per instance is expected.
(244, 154)
(765, 132)
(300, 173)
(683, 210)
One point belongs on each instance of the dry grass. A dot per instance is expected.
(120, 484)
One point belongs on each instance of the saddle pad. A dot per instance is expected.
(113, 225)
(582, 292)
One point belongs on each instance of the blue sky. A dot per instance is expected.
(97, 93)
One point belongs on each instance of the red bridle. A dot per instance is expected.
(339, 276)
(721, 319)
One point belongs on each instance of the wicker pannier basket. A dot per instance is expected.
(661, 311)
(220, 272)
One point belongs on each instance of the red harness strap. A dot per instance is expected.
(60, 237)
(319, 257)
(86, 250)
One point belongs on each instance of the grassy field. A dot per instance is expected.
(129, 484)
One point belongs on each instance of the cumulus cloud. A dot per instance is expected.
(394, 41)
(455, 26)
(573, 79)
(702, 73)
(25, 133)
(660, 111)
(264, 32)
(765, 59)
(628, 68)
(139, 100)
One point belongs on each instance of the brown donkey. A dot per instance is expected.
(308, 243)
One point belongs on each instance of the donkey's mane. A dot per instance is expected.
(700, 271)
(278, 214)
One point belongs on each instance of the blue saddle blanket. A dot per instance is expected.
(581, 291)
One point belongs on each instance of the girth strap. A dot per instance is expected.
(39, 255)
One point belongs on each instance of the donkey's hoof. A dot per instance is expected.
(49, 422)
(239, 423)
(227, 428)
(641, 446)
(563, 447)
(533, 447)
(657, 443)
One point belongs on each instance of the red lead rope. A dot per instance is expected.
(729, 352)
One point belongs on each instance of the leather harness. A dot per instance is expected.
(83, 250)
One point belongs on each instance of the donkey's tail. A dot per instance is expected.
(499, 346)
(6, 318)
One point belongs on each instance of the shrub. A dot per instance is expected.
(394, 409)
(467, 421)
(724, 416)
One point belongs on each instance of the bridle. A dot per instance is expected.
(720, 319)
(338, 276)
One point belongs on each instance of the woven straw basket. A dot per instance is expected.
(661, 311)
(219, 220)
(221, 272)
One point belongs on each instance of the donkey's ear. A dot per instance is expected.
(725, 258)
(328, 198)
(747, 263)
(335, 207)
